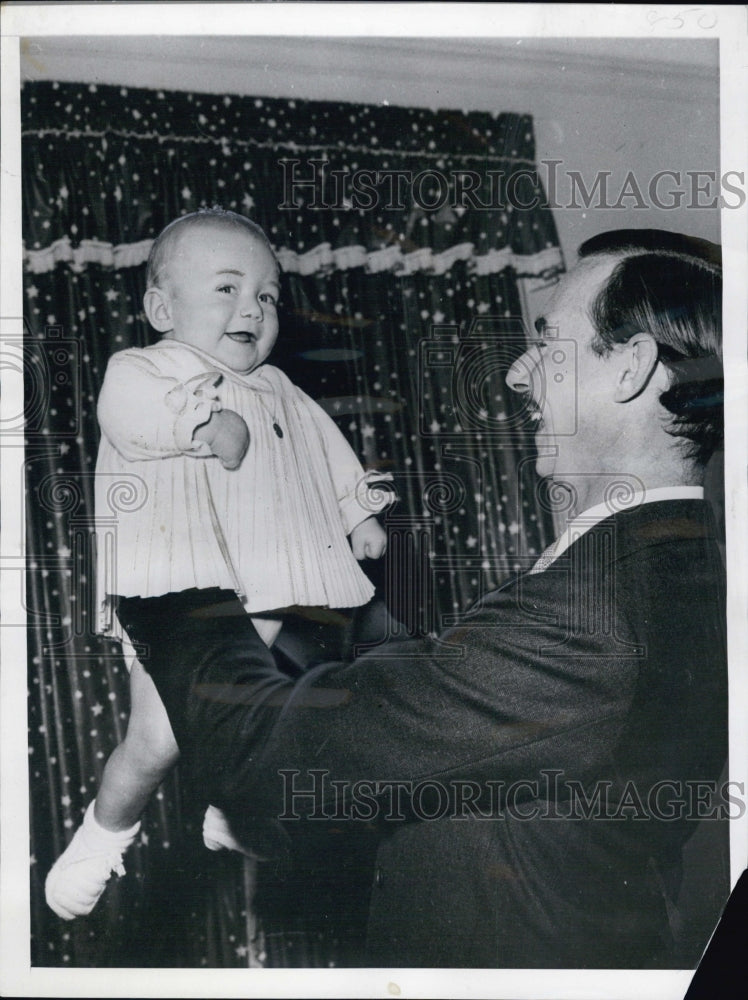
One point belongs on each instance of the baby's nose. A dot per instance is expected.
(251, 308)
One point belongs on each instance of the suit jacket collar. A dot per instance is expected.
(589, 518)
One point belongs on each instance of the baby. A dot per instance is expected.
(247, 493)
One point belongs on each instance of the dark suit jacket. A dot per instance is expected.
(599, 679)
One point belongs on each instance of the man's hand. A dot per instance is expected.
(369, 539)
(228, 437)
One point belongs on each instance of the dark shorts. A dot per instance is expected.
(175, 634)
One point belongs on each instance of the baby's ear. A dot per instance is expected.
(158, 309)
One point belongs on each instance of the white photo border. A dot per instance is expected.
(455, 20)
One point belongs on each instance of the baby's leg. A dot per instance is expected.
(135, 769)
(142, 760)
(267, 628)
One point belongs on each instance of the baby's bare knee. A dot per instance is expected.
(150, 751)
(150, 739)
(158, 743)
(149, 745)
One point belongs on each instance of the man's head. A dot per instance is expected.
(670, 286)
(212, 283)
(638, 389)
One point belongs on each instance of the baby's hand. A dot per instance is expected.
(369, 539)
(228, 437)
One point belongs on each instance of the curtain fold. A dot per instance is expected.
(400, 315)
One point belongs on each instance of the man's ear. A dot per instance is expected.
(157, 306)
(637, 362)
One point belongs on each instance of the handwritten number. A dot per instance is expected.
(704, 19)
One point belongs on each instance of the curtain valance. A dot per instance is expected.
(335, 186)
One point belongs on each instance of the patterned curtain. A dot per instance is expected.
(403, 236)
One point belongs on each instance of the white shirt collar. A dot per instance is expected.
(583, 522)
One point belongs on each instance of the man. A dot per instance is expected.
(532, 774)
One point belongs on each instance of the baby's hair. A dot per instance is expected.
(163, 245)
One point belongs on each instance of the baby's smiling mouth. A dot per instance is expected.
(241, 336)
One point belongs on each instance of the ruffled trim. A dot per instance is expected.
(322, 259)
(193, 403)
(371, 496)
(87, 252)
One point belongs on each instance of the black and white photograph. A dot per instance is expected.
(374, 503)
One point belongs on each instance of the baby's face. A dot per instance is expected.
(221, 285)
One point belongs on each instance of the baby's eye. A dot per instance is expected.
(268, 297)
(226, 288)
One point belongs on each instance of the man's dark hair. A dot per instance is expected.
(669, 285)
(163, 245)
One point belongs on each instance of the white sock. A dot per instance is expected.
(99, 836)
